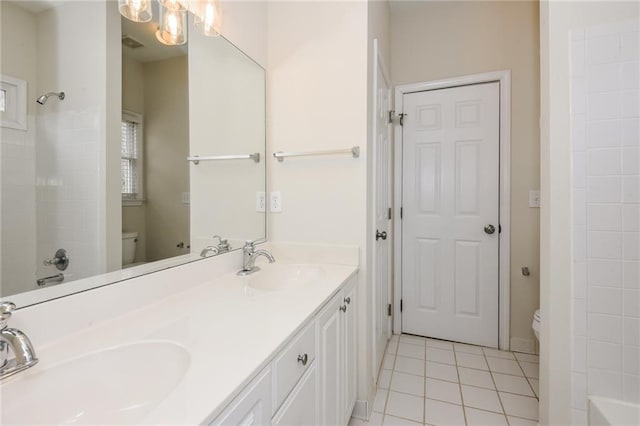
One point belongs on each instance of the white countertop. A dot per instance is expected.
(230, 330)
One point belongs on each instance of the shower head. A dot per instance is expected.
(43, 99)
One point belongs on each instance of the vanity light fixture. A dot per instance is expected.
(207, 17)
(136, 10)
(179, 5)
(172, 29)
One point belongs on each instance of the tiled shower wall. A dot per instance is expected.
(605, 84)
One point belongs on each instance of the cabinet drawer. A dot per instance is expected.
(301, 408)
(292, 362)
(252, 407)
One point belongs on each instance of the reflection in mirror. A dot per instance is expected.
(96, 179)
(155, 144)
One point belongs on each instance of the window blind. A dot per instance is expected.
(129, 159)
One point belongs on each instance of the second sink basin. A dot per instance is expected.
(114, 386)
(283, 276)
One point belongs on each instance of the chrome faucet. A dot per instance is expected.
(17, 341)
(249, 256)
(209, 249)
(223, 244)
(222, 247)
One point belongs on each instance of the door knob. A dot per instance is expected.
(303, 359)
(382, 235)
(489, 229)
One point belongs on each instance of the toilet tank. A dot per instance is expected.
(129, 240)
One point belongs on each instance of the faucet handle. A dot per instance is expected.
(6, 308)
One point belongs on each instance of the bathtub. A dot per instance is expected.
(612, 412)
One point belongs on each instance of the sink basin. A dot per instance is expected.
(283, 276)
(114, 386)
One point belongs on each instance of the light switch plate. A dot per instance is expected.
(275, 202)
(186, 198)
(261, 202)
(534, 198)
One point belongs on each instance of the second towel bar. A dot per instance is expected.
(197, 159)
(354, 151)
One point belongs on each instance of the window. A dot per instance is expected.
(131, 157)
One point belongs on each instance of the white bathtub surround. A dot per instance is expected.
(606, 176)
(611, 412)
(229, 330)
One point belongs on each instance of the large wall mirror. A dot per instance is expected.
(120, 155)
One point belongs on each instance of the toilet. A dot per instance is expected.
(129, 240)
(536, 324)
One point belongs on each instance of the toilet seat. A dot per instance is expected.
(536, 324)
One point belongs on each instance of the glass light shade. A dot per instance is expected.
(173, 27)
(136, 10)
(179, 5)
(207, 17)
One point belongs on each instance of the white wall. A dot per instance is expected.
(605, 133)
(166, 146)
(17, 156)
(436, 40)
(245, 25)
(227, 117)
(557, 20)
(317, 99)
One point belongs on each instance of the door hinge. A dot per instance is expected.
(389, 213)
(499, 229)
(400, 212)
(393, 115)
(389, 309)
(400, 305)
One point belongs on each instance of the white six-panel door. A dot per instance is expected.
(382, 265)
(450, 200)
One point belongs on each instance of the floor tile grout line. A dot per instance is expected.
(528, 382)
(386, 400)
(454, 403)
(469, 384)
(464, 412)
(424, 400)
(504, 412)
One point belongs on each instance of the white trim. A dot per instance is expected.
(19, 108)
(504, 78)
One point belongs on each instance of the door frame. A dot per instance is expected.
(503, 77)
(379, 64)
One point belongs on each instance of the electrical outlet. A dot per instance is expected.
(186, 198)
(261, 201)
(534, 198)
(275, 202)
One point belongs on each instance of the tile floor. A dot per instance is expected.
(434, 382)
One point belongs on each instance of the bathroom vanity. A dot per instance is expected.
(209, 347)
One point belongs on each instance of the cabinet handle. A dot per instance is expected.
(343, 308)
(303, 359)
(347, 299)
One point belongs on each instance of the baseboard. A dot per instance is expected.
(361, 410)
(527, 346)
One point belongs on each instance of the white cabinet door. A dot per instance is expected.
(330, 359)
(301, 408)
(252, 407)
(349, 344)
